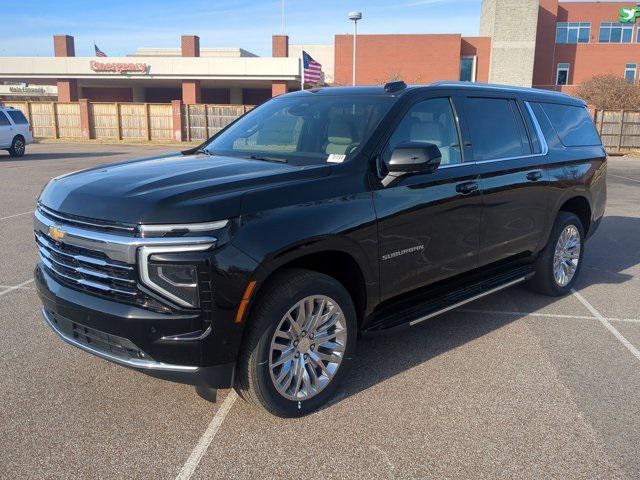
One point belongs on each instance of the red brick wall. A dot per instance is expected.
(586, 59)
(63, 46)
(68, 90)
(481, 48)
(279, 46)
(412, 58)
(190, 45)
(543, 68)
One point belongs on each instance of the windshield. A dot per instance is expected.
(304, 129)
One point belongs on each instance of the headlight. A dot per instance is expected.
(177, 282)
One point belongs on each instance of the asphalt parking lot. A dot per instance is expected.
(512, 386)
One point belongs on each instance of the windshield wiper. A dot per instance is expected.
(205, 151)
(267, 159)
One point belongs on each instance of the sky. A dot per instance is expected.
(119, 27)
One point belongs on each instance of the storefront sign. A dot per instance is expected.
(28, 90)
(629, 15)
(24, 90)
(119, 67)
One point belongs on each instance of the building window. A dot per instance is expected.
(613, 32)
(468, 69)
(562, 74)
(630, 72)
(573, 32)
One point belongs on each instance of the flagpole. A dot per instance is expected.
(302, 71)
(282, 13)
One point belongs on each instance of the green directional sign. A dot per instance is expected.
(629, 15)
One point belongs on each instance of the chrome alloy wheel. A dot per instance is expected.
(567, 255)
(307, 347)
(18, 147)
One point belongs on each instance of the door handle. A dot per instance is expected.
(467, 188)
(534, 176)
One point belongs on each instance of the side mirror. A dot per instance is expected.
(415, 158)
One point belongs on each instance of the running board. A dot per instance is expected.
(408, 314)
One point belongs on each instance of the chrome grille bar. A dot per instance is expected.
(84, 282)
(81, 270)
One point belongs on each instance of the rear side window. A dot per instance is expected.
(572, 124)
(17, 117)
(495, 131)
(4, 120)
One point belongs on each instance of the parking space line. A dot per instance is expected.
(546, 315)
(626, 178)
(200, 449)
(607, 325)
(16, 215)
(15, 287)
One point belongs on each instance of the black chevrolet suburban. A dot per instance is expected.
(256, 260)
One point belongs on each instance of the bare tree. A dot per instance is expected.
(610, 92)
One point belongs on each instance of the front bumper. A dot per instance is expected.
(129, 336)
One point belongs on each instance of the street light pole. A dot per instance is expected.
(354, 16)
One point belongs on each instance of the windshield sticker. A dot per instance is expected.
(335, 158)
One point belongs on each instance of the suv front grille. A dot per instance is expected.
(87, 269)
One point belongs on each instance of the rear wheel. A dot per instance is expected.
(301, 340)
(559, 264)
(17, 147)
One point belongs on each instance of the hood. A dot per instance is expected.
(169, 189)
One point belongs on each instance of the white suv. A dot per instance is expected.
(15, 131)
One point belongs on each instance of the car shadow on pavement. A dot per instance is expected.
(57, 156)
(612, 250)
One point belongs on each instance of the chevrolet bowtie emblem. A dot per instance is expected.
(56, 233)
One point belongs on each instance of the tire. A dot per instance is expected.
(257, 370)
(545, 280)
(18, 147)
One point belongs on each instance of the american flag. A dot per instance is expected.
(99, 53)
(312, 69)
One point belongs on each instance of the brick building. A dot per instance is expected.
(542, 43)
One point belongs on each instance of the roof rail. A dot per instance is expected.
(507, 88)
(391, 87)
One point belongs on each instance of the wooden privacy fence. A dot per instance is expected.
(618, 129)
(128, 121)
(200, 122)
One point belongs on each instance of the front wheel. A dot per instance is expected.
(17, 147)
(559, 264)
(300, 342)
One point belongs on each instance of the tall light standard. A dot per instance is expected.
(355, 16)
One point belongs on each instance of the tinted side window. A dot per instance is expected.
(573, 124)
(4, 120)
(17, 117)
(430, 121)
(494, 132)
(536, 147)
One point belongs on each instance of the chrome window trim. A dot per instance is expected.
(131, 362)
(117, 247)
(146, 251)
(536, 125)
